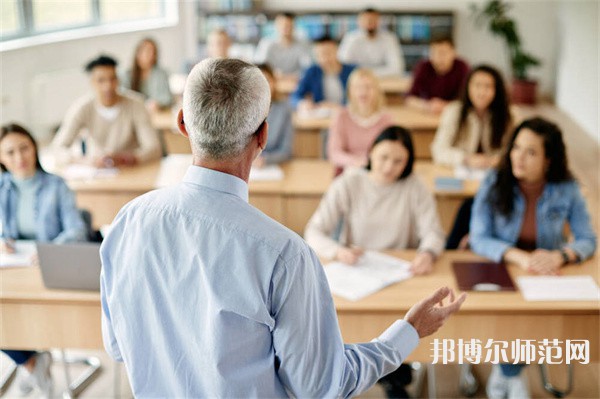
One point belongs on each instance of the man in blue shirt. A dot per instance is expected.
(205, 296)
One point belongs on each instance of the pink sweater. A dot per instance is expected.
(348, 142)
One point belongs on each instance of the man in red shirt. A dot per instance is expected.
(439, 79)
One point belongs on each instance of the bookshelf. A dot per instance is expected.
(246, 22)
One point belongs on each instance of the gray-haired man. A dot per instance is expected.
(205, 296)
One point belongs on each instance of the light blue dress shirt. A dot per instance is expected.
(205, 296)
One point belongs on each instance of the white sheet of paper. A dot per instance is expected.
(559, 288)
(266, 173)
(466, 173)
(172, 169)
(87, 172)
(371, 273)
(24, 250)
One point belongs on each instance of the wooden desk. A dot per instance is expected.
(307, 140)
(42, 318)
(291, 201)
(502, 316)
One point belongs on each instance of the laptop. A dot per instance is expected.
(74, 266)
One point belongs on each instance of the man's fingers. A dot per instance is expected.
(437, 296)
(454, 305)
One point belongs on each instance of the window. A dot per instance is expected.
(23, 18)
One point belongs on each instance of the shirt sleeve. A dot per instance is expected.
(70, 128)
(345, 49)
(336, 143)
(303, 87)
(74, 228)
(585, 241)
(147, 136)
(326, 219)
(418, 81)
(313, 360)
(429, 229)
(262, 49)
(481, 235)
(283, 150)
(394, 59)
(442, 147)
(108, 336)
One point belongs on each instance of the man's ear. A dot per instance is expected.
(263, 135)
(181, 124)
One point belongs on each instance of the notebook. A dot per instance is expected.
(482, 276)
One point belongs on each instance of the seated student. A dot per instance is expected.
(324, 83)
(34, 205)
(147, 77)
(279, 142)
(372, 47)
(473, 131)
(354, 127)
(439, 79)
(117, 125)
(218, 43)
(519, 216)
(285, 55)
(364, 200)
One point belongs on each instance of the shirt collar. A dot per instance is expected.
(216, 180)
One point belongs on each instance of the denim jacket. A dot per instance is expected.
(492, 234)
(56, 214)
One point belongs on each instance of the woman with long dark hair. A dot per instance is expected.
(519, 216)
(34, 205)
(473, 130)
(146, 77)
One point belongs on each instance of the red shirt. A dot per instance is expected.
(428, 84)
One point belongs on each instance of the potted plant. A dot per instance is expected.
(494, 13)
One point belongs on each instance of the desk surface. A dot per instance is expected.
(403, 115)
(301, 176)
(55, 318)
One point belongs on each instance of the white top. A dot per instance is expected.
(332, 88)
(381, 54)
(290, 59)
(374, 216)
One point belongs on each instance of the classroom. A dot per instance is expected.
(260, 198)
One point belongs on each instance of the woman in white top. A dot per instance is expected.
(473, 131)
(354, 127)
(383, 206)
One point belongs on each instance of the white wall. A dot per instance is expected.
(577, 81)
(21, 66)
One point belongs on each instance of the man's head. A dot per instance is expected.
(225, 102)
(442, 54)
(218, 43)
(368, 20)
(103, 77)
(284, 22)
(326, 52)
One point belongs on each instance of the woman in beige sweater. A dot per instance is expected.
(383, 206)
(473, 131)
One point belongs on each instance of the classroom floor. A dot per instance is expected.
(586, 380)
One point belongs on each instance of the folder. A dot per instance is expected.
(482, 276)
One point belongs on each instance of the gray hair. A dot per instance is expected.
(225, 101)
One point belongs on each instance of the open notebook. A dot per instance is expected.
(372, 272)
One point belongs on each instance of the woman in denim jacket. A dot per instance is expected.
(38, 206)
(519, 216)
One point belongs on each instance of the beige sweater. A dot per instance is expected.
(131, 130)
(397, 216)
(444, 149)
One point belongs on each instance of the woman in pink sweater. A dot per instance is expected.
(354, 127)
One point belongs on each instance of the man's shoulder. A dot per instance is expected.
(83, 103)
(199, 208)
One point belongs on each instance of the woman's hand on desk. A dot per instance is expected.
(348, 256)
(430, 314)
(422, 264)
(543, 261)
